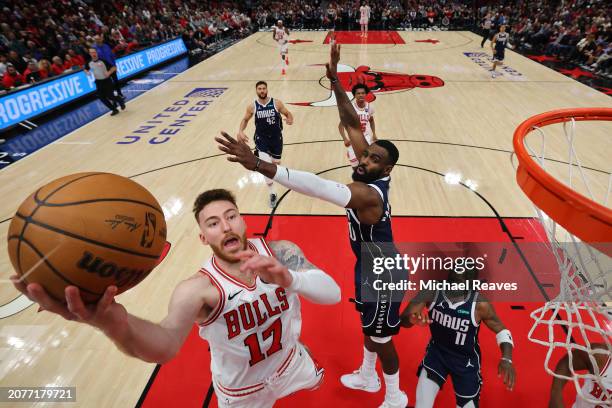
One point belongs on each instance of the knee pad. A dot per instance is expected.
(381, 340)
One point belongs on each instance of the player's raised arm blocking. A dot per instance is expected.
(376, 163)
(348, 116)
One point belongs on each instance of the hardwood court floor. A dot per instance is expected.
(463, 128)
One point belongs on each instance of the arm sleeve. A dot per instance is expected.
(314, 186)
(316, 286)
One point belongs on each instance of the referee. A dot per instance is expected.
(102, 72)
(486, 29)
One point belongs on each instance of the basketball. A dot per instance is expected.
(90, 230)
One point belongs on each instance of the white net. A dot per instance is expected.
(580, 317)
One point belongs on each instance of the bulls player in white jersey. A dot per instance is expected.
(364, 18)
(594, 390)
(280, 34)
(244, 299)
(365, 111)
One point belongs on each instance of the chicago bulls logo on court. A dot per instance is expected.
(378, 81)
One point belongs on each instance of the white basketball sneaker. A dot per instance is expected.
(359, 381)
(400, 401)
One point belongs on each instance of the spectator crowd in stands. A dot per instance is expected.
(385, 14)
(49, 37)
(574, 31)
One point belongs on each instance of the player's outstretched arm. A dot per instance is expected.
(156, 343)
(505, 369)
(284, 111)
(290, 269)
(358, 196)
(243, 123)
(348, 116)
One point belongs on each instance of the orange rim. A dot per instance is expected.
(581, 216)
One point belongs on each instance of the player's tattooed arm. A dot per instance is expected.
(291, 270)
(290, 255)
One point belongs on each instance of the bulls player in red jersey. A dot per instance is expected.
(244, 300)
(365, 111)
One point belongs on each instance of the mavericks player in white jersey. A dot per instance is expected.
(245, 301)
(600, 391)
(365, 111)
(364, 18)
(281, 36)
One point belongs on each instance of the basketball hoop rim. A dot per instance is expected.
(581, 216)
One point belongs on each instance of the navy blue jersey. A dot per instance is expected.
(379, 232)
(454, 327)
(501, 41)
(268, 121)
(365, 238)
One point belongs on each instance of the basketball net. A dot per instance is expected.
(581, 314)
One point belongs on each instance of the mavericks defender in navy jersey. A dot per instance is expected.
(268, 129)
(498, 44)
(454, 321)
(367, 203)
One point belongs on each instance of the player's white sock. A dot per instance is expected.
(392, 390)
(368, 367)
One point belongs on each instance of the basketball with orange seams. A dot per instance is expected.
(90, 230)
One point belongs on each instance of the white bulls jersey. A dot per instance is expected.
(253, 333)
(365, 14)
(364, 118)
(594, 391)
(280, 35)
